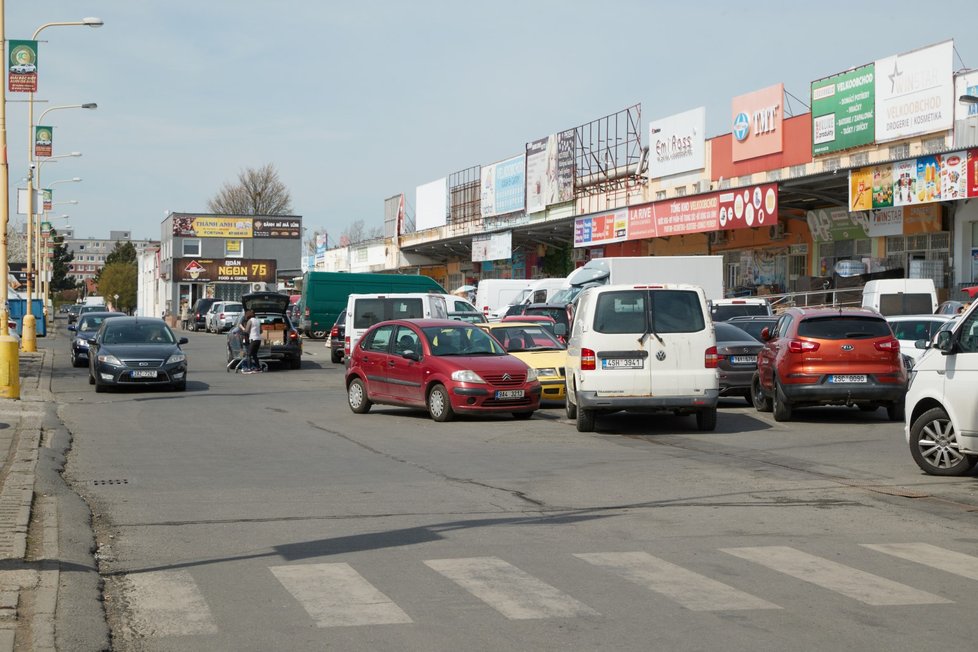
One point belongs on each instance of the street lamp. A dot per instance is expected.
(29, 329)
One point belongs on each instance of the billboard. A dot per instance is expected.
(549, 171)
(492, 246)
(758, 123)
(843, 110)
(277, 227)
(915, 93)
(677, 144)
(503, 186)
(923, 180)
(431, 205)
(211, 226)
(225, 270)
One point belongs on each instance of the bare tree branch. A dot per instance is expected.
(256, 192)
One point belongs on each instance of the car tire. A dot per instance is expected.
(749, 396)
(780, 405)
(99, 387)
(180, 387)
(706, 420)
(934, 445)
(336, 356)
(570, 409)
(356, 397)
(295, 363)
(760, 400)
(585, 420)
(894, 411)
(439, 404)
(522, 416)
(75, 362)
(318, 335)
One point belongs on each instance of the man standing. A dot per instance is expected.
(184, 314)
(253, 326)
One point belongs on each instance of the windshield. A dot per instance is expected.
(138, 333)
(461, 340)
(526, 338)
(90, 324)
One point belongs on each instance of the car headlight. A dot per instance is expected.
(176, 357)
(109, 359)
(547, 371)
(467, 376)
(81, 343)
(531, 375)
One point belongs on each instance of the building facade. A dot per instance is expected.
(90, 253)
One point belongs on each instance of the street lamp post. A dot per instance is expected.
(37, 222)
(44, 255)
(9, 363)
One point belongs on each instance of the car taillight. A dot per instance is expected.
(711, 358)
(346, 345)
(485, 310)
(802, 346)
(888, 345)
(335, 331)
(588, 360)
(293, 335)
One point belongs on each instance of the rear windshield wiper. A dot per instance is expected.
(649, 330)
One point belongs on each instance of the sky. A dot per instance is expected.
(353, 102)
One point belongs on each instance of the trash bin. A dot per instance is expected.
(18, 308)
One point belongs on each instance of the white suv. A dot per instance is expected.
(644, 348)
(942, 413)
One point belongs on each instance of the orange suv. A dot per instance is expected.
(829, 356)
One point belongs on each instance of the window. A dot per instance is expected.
(641, 311)
(968, 338)
(407, 340)
(380, 341)
(843, 328)
(234, 248)
(191, 247)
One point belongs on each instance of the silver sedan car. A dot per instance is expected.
(223, 316)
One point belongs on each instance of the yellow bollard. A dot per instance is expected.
(9, 362)
(28, 334)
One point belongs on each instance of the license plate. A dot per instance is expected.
(743, 359)
(621, 363)
(509, 393)
(847, 379)
(144, 373)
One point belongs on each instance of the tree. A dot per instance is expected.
(59, 265)
(124, 252)
(357, 232)
(119, 278)
(257, 192)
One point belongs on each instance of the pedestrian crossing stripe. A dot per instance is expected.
(924, 553)
(168, 603)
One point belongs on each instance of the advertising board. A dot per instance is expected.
(757, 122)
(503, 186)
(677, 143)
(843, 110)
(923, 180)
(224, 270)
(915, 92)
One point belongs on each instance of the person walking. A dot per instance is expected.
(184, 314)
(253, 326)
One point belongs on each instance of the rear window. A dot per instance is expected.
(725, 312)
(367, 312)
(906, 304)
(233, 307)
(843, 328)
(641, 311)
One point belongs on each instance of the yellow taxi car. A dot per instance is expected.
(535, 346)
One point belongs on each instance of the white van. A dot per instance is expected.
(644, 348)
(493, 295)
(901, 296)
(941, 411)
(365, 310)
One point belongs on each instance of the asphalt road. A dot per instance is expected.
(257, 513)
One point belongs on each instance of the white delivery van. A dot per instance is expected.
(365, 310)
(901, 296)
(493, 295)
(643, 348)
(704, 271)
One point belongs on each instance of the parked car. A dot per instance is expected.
(951, 308)
(736, 360)
(84, 331)
(337, 338)
(280, 339)
(909, 329)
(223, 316)
(447, 367)
(136, 351)
(724, 309)
(546, 321)
(84, 310)
(198, 315)
(642, 348)
(754, 324)
(535, 345)
(829, 356)
(556, 311)
(72, 311)
(942, 415)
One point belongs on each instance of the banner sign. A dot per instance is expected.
(43, 138)
(550, 171)
(211, 226)
(677, 144)
(915, 93)
(48, 198)
(226, 270)
(833, 224)
(753, 206)
(492, 246)
(843, 110)
(923, 180)
(277, 227)
(503, 186)
(758, 123)
(22, 66)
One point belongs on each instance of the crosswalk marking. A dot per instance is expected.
(692, 590)
(168, 603)
(928, 555)
(856, 584)
(509, 590)
(335, 595)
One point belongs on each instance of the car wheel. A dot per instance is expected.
(780, 405)
(706, 420)
(75, 362)
(318, 335)
(99, 387)
(295, 363)
(894, 411)
(934, 445)
(336, 356)
(522, 416)
(439, 405)
(356, 395)
(570, 409)
(585, 420)
(760, 400)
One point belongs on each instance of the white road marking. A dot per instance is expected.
(335, 595)
(923, 553)
(509, 590)
(692, 590)
(168, 603)
(856, 584)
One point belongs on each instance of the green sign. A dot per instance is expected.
(22, 66)
(43, 141)
(843, 110)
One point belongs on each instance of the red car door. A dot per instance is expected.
(373, 360)
(405, 376)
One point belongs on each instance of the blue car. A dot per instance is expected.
(84, 331)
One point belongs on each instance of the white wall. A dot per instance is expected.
(965, 215)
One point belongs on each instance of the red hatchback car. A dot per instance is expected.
(829, 356)
(447, 367)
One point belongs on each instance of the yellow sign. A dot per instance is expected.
(222, 227)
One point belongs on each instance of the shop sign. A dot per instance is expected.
(831, 224)
(752, 206)
(225, 270)
(921, 219)
(843, 111)
(915, 92)
(758, 123)
(924, 180)
(277, 227)
(885, 221)
(211, 226)
(677, 144)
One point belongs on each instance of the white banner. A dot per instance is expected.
(677, 143)
(915, 92)
(494, 246)
(885, 221)
(431, 205)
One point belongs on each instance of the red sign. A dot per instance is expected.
(973, 172)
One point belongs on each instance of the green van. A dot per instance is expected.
(324, 294)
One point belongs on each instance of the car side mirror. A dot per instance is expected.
(411, 355)
(560, 330)
(944, 342)
(72, 328)
(921, 344)
(765, 334)
(182, 340)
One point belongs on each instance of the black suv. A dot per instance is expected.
(198, 316)
(280, 340)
